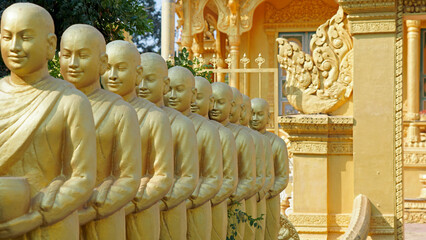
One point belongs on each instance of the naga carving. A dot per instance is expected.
(287, 231)
(321, 82)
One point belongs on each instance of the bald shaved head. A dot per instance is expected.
(182, 90)
(155, 62)
(32, 29)
(203, 85)
(223, 89)
(29, 12)
(181, 73)
(124, 48)
(260, 103)
(85, 33)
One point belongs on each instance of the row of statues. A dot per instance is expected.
(152, 154)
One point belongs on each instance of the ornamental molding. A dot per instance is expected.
(368, 27)
(319, 223)
(414, 6)
(297, 14)
(321, 82)
(417, 204)
(414, 216)
(363, 6)
(414, 159)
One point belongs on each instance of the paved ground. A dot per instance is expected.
(415, 231)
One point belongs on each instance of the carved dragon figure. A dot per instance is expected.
(320, 83)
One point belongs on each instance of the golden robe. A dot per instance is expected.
(246, 171)
(47, 134)
(118, 160)
(281, 171)
(210, 179)
(251, 203)
(173, 217)
(229, 182)
(157, 170)
(269, 181)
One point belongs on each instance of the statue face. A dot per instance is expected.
(26, 42)
(181, 92)
(80, 57)
(260, 116)
(234, 115)
(246, 113)
(122, 73)
(222, 105)
(152, 83)
(204, 99)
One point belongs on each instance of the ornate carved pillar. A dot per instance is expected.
(234, 44)
(187, 27)
(322, 148)
(377, 102)
(413, 76)
(167, 28)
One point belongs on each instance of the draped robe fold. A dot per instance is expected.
(173, 218)
(47, 133)
(118, 158)
(246, 173)
(229, 182)
(157, 170)
(210, 179)
(281, 174)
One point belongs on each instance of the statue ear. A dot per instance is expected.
(139, 71)
(194, 95)
(51, 45)
(166, 88)
(103, 64)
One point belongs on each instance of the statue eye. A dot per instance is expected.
(27, 38)
(7, 37)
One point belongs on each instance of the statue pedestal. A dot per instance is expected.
(323, 173)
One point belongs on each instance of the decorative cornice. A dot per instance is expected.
(414, 6)
(364, 6)
(369, 27)
(414, 159)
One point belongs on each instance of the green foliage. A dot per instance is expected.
(183, 60)
(241, 218)
(110, 17)
(54, 67)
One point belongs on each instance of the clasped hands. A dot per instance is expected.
(43, 201)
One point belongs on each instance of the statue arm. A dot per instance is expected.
(160, 146)
(230, 168)
(78, 159)
(186, 155)
(269, 169)
(281, 167)
(260, 163)
(212, 169)
(126, 165)
(246, 167)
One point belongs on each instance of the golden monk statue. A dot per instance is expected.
(202, 105)
(154, 84)
(47, 130)
(251, 203)
(223, 102)
(180, 96)
(264, 171)
(258, 122)
(83, 60)
(123, 75)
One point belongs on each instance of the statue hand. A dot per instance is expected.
(20, 225)
(86, 215)
(129, 208)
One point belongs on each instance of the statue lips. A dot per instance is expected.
(114, 84)
(74, 74)
(144, 93)
(215, 113)
(194, 107)
(16, 58)
(173, 103)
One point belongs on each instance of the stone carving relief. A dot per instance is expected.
(197, 20)
(287, 231)
(415, 159)
(301, 11)
(415, 6)
(321, 82)
(235, 16)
